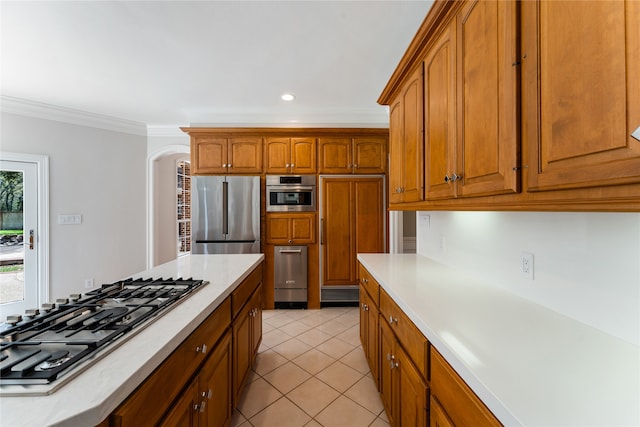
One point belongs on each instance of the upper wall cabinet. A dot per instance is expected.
(471, 138)
(584, 103)
(406, 143)
(359, 155)
(214, 155)
(290, 155)
(527, 106)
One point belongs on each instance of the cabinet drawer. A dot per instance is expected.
(166, 382)
(370, 284)
(460, 403)
(411, 339)
(241, 294)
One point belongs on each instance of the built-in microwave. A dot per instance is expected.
(291, 193)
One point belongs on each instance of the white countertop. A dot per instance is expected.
(91, 396)
(531, 366)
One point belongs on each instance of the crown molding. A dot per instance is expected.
(40, 110)
(166, 131)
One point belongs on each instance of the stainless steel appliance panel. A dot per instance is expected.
(225, 214)
(291, 193)
(290, 274)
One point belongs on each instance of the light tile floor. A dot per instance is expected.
(310, 371)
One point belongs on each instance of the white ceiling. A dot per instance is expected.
(165, 63)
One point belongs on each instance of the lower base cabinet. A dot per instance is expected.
(403, 390)
(199, 383)
(417, 385)
(207, 402)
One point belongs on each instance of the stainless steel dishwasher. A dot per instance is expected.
(290, 276)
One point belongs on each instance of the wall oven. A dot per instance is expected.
(291, 193)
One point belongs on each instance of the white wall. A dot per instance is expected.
(100, 174)
(586, 265)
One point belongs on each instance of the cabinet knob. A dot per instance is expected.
(201, 349)
(291, 165)
(229, 165)
(208, 394)
(355, 166)
(393, 320)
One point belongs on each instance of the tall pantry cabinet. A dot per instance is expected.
(352, 222)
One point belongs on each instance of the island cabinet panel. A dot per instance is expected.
(199, 383)
(290, 155)
(148, 403)
(458, 403)
(206, 403)
(586, 98)
(247, 334)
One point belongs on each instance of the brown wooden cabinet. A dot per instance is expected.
(437, 415)
(211, 154)
(581, 93)
(358, 155)
(247, 333)
(291, 228)
(352, 222)
(458, 404)
(527, 106)
(290, 155)
(199, 383)
(403, 390)
(157, 394)
(369, 329)
(471, 119)
(207, 401)
(406, 147)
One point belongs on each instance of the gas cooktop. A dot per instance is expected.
(51, 345)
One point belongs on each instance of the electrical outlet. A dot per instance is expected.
(425, 220)
(443, 244)
(526, 265)
(88, 283)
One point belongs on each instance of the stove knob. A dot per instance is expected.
(60, 301)
(48, 306)
(75, 297)
(31, 312)
(14, 319)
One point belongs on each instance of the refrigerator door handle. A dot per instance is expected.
(225, 208)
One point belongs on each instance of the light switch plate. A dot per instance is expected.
(74, 219)
(636, 134)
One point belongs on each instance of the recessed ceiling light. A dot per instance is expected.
(287, 97)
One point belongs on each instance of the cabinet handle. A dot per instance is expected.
(203, 405)
(393, 320)
(201, 349)
(392, 361)
(322, 231)
(453, 178)
(208, 394)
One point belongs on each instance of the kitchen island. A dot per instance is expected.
(90, 397)
(529, 365)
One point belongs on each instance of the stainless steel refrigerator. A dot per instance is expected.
(225, 214)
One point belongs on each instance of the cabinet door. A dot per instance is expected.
(303, 155)
(396, 151)
(277, 155)
(338, 240)
(209, 155)
(487, 103)
(369, 155)
(285, 229)
(368, 216)
(214, 386)
(183, 413)
(440, 115)
(245, 155)
(369, 332)
(585, 100)
(437, 415)
(411, 393)
(387, 377)
(412, 125)
(335, 155)
(256, 322)
(242, 349)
